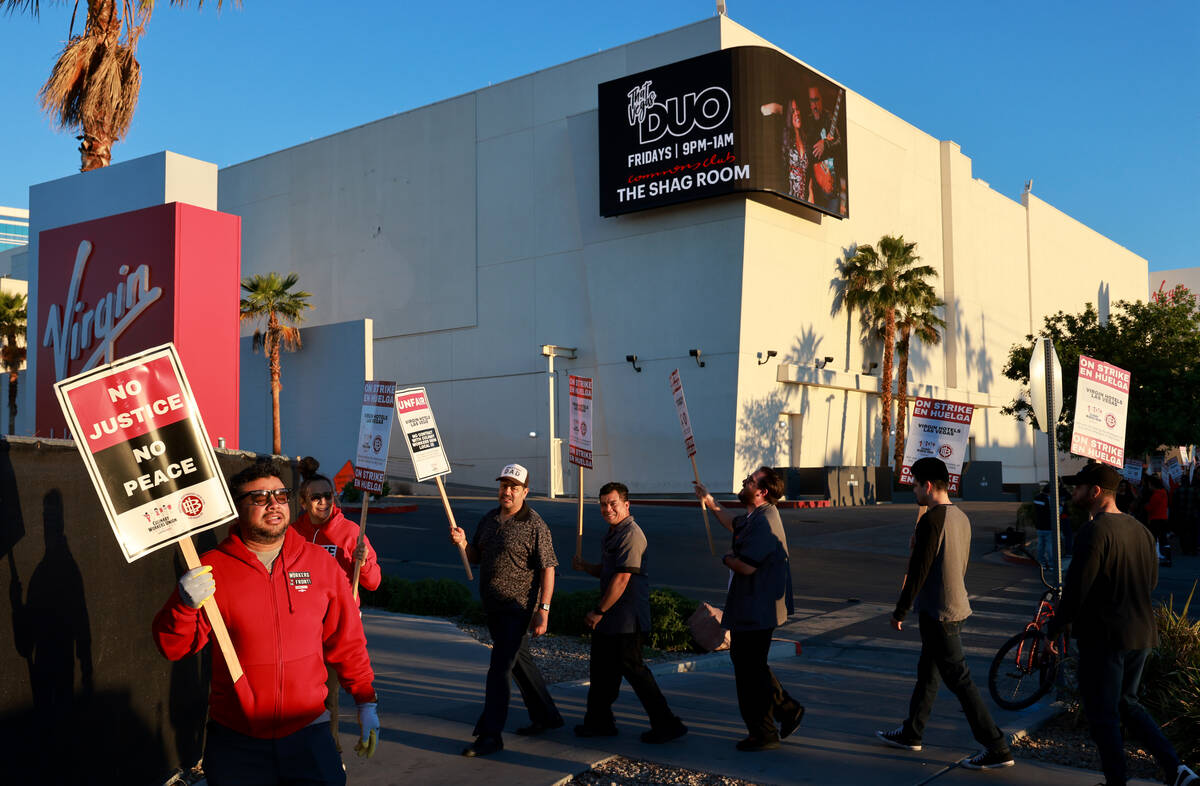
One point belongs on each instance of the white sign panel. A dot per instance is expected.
(1037, 384)
(685, 423)
(1132, 470)
(579, 446)
(145, 448)
(421, 434)
(1173, 466)
(940, 429)
(374, 434)
(1101, 401)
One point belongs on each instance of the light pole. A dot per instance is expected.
(554, 465)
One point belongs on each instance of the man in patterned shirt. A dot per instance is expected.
(513, 548)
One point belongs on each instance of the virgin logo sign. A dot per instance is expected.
(73, 328)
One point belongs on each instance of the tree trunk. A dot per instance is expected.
(95, 145)
(885, 383)
(12, 402)
(901, 397)
(273, 350)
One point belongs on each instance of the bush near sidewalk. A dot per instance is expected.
(669, 610)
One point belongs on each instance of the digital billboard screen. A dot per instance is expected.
(736, 120)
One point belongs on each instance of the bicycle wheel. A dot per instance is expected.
(1023, 671)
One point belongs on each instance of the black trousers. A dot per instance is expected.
(511, 661)
(761, 699)
(305, 758)
(1108, 687)
(942, 654)
(334, 689)
(617, 655)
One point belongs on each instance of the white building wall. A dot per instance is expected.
(470, 231)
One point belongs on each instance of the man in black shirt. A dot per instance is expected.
(620, 623)
(1106, 600)
(513, 548)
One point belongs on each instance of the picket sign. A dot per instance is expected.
(370, 464)
(689, 442)
(579, 450)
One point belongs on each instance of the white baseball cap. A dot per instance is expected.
(516, 473)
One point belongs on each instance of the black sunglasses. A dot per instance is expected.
(325, 495)
(262, 497)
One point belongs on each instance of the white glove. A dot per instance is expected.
(197, 586)
(368, 722)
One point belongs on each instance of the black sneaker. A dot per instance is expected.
(484, 746)
(535, 728)
(583, 730)
(1184, 776)
(791, 723)
(756, 744)
(989, 760)
(898, 739)
(665, 734)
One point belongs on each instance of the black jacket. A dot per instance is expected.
(1106, 596)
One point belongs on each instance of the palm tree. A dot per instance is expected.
(875, 281)
(12, 353)
(94, 85)
(270, 297)
(917, 317)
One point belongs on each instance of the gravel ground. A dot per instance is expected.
(565, 658)
(1061, 742)
(621, 771)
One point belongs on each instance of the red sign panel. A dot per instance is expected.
(118, 285)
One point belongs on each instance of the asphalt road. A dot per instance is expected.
(837, 554)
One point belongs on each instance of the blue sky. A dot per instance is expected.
(1097, 102)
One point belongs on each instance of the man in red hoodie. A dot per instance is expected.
(289, 612)
(322, 523)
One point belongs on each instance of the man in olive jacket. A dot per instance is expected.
(1106, 600)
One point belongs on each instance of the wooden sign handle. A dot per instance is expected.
(462, 550)
(704, 510)
(214, 614)
(362, 537)
(579, 528)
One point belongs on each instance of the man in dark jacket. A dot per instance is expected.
(620, 625)
(934, 586)
(515, 552)
(759, 600)
(1106, 600)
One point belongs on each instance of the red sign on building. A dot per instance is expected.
(117, 285)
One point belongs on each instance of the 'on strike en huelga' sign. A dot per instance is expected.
(421, 434)
(941, 429)
(579, 447)
(1101, 401)
(374, 436)
(143, 442)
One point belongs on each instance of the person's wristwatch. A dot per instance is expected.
(544, 606)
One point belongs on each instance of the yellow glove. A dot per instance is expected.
(368, 722)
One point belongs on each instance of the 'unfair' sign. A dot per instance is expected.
(145, 448)
(421, 434)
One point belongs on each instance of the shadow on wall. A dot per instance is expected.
(763, 438)
(85, 697)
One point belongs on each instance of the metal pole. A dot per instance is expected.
(550, 452)
(1052, 437)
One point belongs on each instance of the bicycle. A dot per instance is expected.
(1026, 666)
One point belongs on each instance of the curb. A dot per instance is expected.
(351, 508)
(1039, 715)
(782, 504)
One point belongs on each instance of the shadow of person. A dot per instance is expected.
(51, 627)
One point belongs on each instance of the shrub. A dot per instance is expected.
(1171, 682)
(428, 597)
(669, 613)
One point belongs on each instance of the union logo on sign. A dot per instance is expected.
(192, 505)
(1111, 420)
(946, 451)
(378, 446)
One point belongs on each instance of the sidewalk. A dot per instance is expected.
(429, 676)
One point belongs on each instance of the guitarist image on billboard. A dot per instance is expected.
(821, 130)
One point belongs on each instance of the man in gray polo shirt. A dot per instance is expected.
(620, 623)
(934, 586)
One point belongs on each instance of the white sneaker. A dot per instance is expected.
(1185, 776)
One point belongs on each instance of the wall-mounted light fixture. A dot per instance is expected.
(823, 362)
(871, 368)
(632, 360)
(696, 354)
(770, 354)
